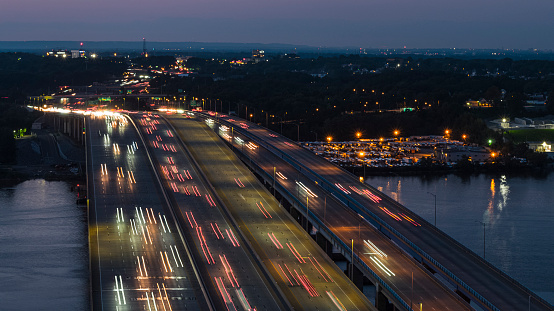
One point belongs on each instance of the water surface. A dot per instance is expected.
(517, 213)
(43, 248)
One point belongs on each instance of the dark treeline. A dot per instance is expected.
(24, 74)
(339, 96)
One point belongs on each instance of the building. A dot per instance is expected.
(258, 55)
(453, 155)
(58, 53)
(77, 53)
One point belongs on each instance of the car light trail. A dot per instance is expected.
(155, 144)
(116, 148)
(172, 148)
(142, 215)
(391, 214)
(336, 301)
(169, 133)
(164, 147)
(163, 227)
(186, 190)
(174, 186)
(204, 246)
(187, 174)
(274, 240)
(196, 192)
(295, 253)
(291, 274)
(239, 183)
(413, 222)
(263, 210)
(232, 237)
(281, 175)
(341, 188)
(229, 271)
(120, 172)
(358, 191)
(224, 293)
(148, 233)
(158, 138)
(131, 177)
(133, 226)
(167, 226)
(283, 271)
(326, 276)
(243, 301)
(178, 256)
(374, 249)
(308, 191)
(117, 289)
(210, 200)
(166, 297)
(251, 146)
(382, 266)
(180, 177)
(372, 196)
(170, 160)
(216, 232)
(104, 169)
(288, 144)
(308, 286)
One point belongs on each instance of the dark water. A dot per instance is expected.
(43, 248)
(518, 213)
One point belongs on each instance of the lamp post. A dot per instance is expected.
(435, 196)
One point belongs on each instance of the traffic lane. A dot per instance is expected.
(115, 197)
(255, 214)
(250, 285)
(346, 224)
(459, 259)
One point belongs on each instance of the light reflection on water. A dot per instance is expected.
(517, 212)
(43, 248)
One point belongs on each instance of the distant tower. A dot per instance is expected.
(143, 46)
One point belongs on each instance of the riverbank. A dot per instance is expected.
(45, 155)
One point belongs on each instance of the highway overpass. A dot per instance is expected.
(456, 268)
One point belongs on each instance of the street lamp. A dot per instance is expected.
(435, 196)
(358, 135)
(251, 117)
(329, 138)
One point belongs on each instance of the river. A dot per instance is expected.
(43, 248)
(513, 214)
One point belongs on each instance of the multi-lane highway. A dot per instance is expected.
(406, 277)
(306, 276)
(503, 292)
(138, 260)
(234, 277)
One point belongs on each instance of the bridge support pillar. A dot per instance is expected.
(381, 301)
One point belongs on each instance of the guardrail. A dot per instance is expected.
(359, 208)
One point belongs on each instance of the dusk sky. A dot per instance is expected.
(358, 23)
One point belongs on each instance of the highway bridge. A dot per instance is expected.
(177, 221)
(310, 178)
(165, 236)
